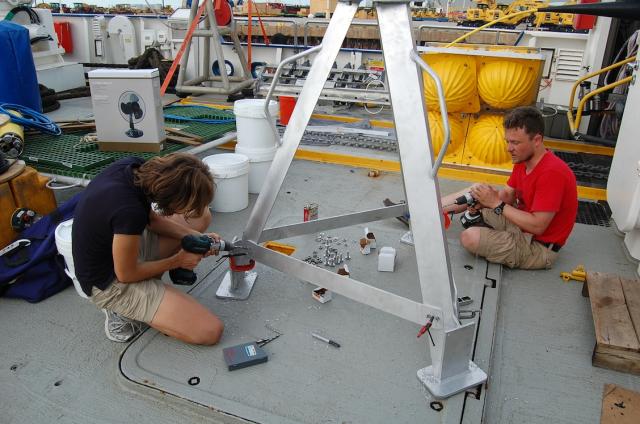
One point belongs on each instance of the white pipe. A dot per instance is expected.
(214, 143)
(72, 181)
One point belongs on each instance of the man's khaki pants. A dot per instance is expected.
(506, 244)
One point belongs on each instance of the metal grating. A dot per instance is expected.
(594, 213)
(62, 152)
(207, 131)
(589, 169)
(67, 155)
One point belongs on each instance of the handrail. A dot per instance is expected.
(272, 87)
(498, 31)
(495, 21)
(443, 111)
(273, 19)
(326, 22)
(575, 124)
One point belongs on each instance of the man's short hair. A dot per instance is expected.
(526, 117)
(177, 183)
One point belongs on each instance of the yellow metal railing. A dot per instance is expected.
(574, 124)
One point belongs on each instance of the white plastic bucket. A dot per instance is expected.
(63, 243)
(260, 160)
(231, 174)
(253, 128)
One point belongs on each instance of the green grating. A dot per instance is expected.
(207, 131)
(68, 155)
(60, 152)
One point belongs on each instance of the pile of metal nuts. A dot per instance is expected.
(329, 252)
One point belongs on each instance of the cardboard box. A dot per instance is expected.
(127, 109)
(323, 6)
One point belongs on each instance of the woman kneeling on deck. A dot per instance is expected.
(122, 245)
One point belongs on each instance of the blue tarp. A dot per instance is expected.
(18, 80)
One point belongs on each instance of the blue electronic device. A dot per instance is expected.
(244, 355)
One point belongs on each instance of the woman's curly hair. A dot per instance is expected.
(177, 183)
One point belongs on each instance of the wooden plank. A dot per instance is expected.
(610, 315)
(619, 405)
(182, 140)
(616, 359)
(183, 133)
(631, 290)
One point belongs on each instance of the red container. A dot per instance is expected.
(287, 104)
(63, 31)
(585, 21)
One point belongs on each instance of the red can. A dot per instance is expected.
(310, 212)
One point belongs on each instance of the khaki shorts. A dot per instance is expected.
(506, 244)
(138, 301)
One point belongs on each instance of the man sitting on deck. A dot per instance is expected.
(527, 222)
(121, 245)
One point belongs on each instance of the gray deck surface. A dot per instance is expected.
(371, 378)
(56, 365)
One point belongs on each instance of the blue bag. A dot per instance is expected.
(18, 78)
(40, 273)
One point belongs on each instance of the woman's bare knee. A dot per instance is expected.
(182, 317)
(470, 239)
(210, 335)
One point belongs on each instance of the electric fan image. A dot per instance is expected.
(132, 110)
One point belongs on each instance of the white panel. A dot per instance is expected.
(623, 186)
(569, 64)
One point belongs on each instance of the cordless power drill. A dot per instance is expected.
(468, 218)
(200, 244)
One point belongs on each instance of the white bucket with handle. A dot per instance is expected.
(63, 243)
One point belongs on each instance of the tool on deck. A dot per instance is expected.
(244, 355)
(578, 274)
(200, 244)
(324, 339)
(247, 354)
(425, 329)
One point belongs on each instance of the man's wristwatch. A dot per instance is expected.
(498, 209)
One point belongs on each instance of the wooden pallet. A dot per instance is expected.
(615, 304)
(619, 405)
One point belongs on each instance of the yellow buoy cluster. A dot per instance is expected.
(480, 83)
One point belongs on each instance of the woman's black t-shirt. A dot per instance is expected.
(111, 204)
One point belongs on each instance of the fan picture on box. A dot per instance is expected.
(132, 110)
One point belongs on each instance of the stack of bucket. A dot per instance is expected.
(255, 138)
(243, 172)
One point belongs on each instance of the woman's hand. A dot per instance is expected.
(187, 260)
(214, 251)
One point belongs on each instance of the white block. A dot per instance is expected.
(387, 259)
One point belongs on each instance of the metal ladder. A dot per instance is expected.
(222, 84)
(452, 370)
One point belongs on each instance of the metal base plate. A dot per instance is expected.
(242, 292)
(456, 384)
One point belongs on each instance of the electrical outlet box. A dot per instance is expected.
(162, 37)
(148, 37)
